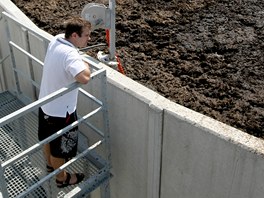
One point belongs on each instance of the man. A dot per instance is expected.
(63, 65)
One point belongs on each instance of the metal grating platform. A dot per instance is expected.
(21, 134)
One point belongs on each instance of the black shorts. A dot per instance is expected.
(65, 146)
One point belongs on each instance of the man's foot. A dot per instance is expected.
(70, 180)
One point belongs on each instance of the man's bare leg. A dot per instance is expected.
(46, 152)
(56, 163)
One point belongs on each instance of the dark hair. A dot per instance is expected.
(75, 24)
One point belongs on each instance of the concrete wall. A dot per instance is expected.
(163, 150)
(210, 159)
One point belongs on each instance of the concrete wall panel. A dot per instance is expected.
(199, 162)
(135, 129)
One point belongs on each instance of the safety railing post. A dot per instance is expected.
(31, 70)
(105, 187)
(12, 57)
(112, 47)
(3, 81)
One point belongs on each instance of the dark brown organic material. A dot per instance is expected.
(207, 55)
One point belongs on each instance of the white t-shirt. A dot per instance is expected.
(62, 63)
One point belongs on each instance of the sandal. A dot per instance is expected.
(49, 168)
(62, 184)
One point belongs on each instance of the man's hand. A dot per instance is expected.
(84, 76)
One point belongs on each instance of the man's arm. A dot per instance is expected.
(84, 76)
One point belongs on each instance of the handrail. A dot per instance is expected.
(33, 148)
(99, 70)
(48, 98)
(48, 139)
(99, 132)
(38, 103)
(25, 52)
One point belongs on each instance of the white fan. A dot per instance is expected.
(97, 14)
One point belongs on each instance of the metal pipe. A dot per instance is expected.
(92, 46)
(12, 58)
(99, 132)
(38, 103)
(88, 95)
(112, 47)
(25, 52)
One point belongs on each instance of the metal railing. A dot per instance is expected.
(31, 107)
(101, 107)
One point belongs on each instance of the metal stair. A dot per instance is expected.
(21, 134)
